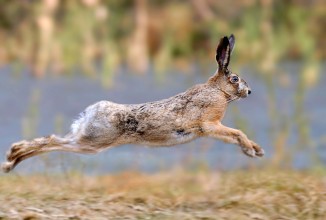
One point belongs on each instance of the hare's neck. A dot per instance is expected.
(228, 96)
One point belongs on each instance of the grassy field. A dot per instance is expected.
(247, 194)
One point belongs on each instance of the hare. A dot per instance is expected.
(182, 118)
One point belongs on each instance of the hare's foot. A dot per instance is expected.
(7, 166)
(16, 149)
(258, 150)
(250, 152)
(13, 154)
(254, 151)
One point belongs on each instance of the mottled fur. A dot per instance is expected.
(184, 117)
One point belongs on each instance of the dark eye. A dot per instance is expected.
(234, 79)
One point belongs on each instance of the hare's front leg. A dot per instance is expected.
(234, 136)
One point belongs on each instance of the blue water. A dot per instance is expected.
(65, 97)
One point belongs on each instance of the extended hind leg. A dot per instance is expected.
(21, 148)
(26, 149)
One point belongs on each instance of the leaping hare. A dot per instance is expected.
(194, 113)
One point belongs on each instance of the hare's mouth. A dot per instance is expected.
(242, 94)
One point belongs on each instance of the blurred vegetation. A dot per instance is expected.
(243, 195)
(53, 36)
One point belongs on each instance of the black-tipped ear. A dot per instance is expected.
(231, 42)
(223, 53)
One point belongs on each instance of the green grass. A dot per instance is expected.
(172, 195)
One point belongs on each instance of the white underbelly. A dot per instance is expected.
(173, 139)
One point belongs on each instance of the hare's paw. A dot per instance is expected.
(15, 149)
(7, 166)
(250, 152)
(253, 151)
(259, 152)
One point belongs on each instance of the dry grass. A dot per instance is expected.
(173, 195)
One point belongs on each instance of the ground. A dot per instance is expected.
(249, 194)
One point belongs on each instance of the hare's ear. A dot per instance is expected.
(231, 42)
(223, 52)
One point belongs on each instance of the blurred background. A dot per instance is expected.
(58, 57)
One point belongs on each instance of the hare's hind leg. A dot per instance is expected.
(25, 149)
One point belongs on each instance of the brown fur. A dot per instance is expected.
(194, 113)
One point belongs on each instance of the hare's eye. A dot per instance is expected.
(234, 79)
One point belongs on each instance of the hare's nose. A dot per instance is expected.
(249, 92)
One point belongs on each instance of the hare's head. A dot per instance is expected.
(227, 81)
